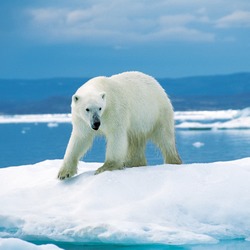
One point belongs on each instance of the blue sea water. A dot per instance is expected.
(28, 143)
(223, 245)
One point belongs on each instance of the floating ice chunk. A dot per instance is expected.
(25, 130)
(52, 124)
(243, 113)
(17, 244)
(206, 115)
(222, 119)
(47, 118)
(198, 144)
(237, 123)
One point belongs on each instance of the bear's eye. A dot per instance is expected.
(76, 98)
(100, 109)
(87, 109)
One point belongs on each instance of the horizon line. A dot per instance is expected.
(156, 77)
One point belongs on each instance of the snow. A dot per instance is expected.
(165, 204)
(17, 244)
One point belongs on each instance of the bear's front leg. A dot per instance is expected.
(117, 146)
(67, 171)
(77, 147)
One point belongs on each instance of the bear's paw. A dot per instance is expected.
(109, 166)
(66, 173)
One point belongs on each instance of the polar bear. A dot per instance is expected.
(128, 109)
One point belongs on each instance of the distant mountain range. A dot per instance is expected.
(53, 95)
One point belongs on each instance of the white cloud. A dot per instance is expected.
(236, 19)
(119, 22)
(183, 33)
(43, 16)
(77, 16)
(122, 22)
(176, 20)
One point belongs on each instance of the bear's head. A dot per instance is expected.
(89, 107)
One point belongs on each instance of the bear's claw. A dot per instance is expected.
(65, 174)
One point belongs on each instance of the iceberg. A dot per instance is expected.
(199, 203)
(221, 119)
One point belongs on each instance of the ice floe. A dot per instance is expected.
(18, 244)
(165, 204)
(220, 119)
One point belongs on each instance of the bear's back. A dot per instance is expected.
(143, 97)
(135, 78)
(140, 86)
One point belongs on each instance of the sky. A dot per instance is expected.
(87, 38)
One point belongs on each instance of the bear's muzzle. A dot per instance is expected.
(95, 123)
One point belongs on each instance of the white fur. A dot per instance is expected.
(132, 108)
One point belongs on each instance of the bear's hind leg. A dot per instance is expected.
(136, 152)
(165, 139)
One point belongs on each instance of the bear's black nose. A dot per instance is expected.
(96, 125)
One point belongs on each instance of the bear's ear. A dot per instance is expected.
(103, 95)
(75, 98)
